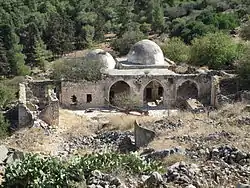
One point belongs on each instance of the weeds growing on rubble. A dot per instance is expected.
(34, 171)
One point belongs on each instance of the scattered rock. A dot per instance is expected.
(155, 180)
(157, 155)
(98, 179)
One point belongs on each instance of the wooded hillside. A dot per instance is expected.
(33, 31)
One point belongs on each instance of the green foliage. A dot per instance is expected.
(176, 50)
(41, 54)
(128, 39)
(77, 69)
(244, 65)
(4, 127)
(216, 51)
(29, 28)
(34, 171)
(245, 31)
(126, 101)
(7, 95)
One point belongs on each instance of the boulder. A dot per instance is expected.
(3, 153)
(154, 181)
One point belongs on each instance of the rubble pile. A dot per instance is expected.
(100, 180)
(101, 142)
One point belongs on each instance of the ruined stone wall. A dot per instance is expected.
(50, 114)
(101, 90)
(80, 90)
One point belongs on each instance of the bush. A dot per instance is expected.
(243, 69)
(77, 69)
(7, 95)
(128, 39)
(217, 51)
(34, 171)
(245, 31)
(126, 101)
(176, 50)
(4, 127)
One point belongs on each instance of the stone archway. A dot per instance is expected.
(186, 90)
(118, 89)
(153, 93)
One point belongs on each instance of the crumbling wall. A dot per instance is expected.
(50, 114)
(33, 98)
(215, 90)
(25, 118)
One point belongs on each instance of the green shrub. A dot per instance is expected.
(77, 69)
(245, 31)
(4, 127)
(215, 50)
(243, 69)
(176, 50)
(34, 171)
(7, 95)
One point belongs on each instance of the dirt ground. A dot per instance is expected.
(229, 119)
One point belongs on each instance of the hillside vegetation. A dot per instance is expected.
(35, 31)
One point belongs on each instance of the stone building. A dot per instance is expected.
(144, 73)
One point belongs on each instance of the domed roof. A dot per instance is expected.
(104, 57)
(146, 52)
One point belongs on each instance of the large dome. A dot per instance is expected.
(104, 57)
(146, 52)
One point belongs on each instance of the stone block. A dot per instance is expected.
(143, 136)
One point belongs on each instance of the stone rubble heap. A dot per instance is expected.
(101, 180)
(159, 155)
(101, 142)
(230, 155)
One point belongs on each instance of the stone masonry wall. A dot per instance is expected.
(80, 90)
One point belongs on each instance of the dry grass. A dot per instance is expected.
(74, 125)
(31, 140)
(172, 159)
(200, 126)
(125, 122)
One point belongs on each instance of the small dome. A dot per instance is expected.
(146, 52)
(104, 57)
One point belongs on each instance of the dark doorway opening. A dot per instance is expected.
(89, 98)
(153, 93)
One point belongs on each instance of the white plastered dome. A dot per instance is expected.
(104, 57)
(146, 52)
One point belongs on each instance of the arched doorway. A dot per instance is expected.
(186, 91)
(118, 90)
(153, 93)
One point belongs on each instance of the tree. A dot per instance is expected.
(243, 68)
(176, 50)
(215, 50)
(245, 31)
(4, 126)
(59, 35)
(41, 54)
(128, 39)
(157, 17)
(4, 65)
(77, 69)
(7, 95)
(16, 58)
